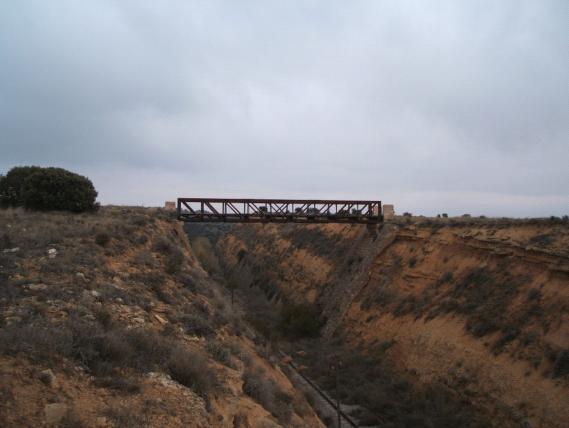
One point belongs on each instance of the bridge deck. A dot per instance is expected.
(278, 211)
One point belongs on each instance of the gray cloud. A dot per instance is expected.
(453, 106)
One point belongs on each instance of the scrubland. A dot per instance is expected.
(123, 317)
(454, 322)
(107, 319)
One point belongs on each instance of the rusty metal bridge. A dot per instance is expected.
(216, 210)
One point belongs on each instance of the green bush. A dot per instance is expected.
(58, 189)
(3, 191)
(11, 185)
(39, 188)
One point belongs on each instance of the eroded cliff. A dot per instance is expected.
(477, 308)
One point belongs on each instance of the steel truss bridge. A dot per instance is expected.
(215, 210)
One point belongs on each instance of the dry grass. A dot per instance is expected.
(192, 369)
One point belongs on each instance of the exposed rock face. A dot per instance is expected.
(346, 289)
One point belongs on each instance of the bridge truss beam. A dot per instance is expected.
(216, 210)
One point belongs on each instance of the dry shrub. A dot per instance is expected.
(191, 369)
(102, 239)
(139, 220)
(72, 420)
(174, 261)
(36, 339)
(220, 353)
(121, 384)
(187, 281)
(144, 258)
(103, 351)
(128, 297)
(205, 253)
(151, 278)
(268, 394)
(163, 246)
(127, 417)
(104, 317)
(197, 325)
(155, 280)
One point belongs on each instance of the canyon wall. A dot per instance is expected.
(480, 306)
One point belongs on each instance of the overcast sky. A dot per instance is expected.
(442, 106)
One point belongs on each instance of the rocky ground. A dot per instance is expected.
(108, 320)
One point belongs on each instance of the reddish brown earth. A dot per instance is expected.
(130, 323)
(479, 306)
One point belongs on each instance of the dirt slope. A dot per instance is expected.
(108, 320)
(479, 306)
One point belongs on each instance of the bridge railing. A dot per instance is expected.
(278, 211)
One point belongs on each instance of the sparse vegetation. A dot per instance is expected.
(102, 239)
(118, 324)
(367, 379)
(102, 350)
(482, 296)
(191, 368)
(488, 295)
(267, 393)
(197, 325)
(127, 417)
(219, 352)
(88, 298)
(174, 261)
(125, 385)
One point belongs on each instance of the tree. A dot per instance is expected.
(3, 190)
(39, 188)
(11, 185)
(58, 189)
